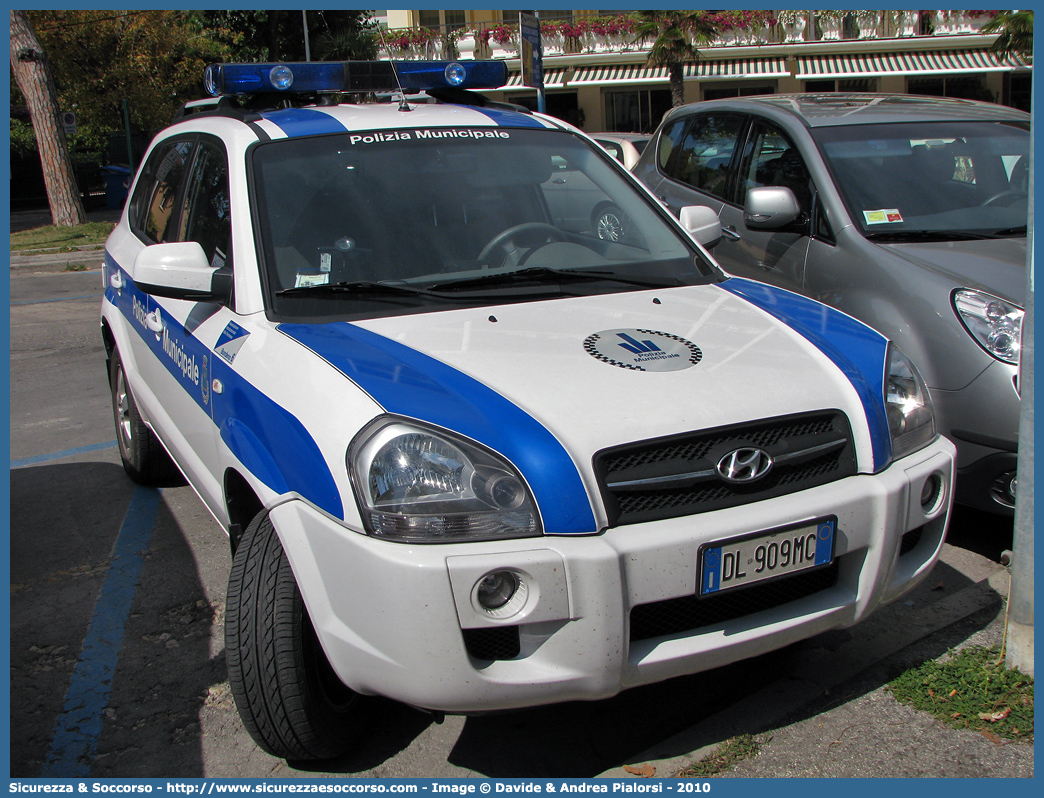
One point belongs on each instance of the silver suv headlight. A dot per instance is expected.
(994, 323)
(911, 420)
(425, 485)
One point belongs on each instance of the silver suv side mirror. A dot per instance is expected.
(770, 207)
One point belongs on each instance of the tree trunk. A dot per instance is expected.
(33, 75)
(677, 79)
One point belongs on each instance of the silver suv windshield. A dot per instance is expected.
(931, 180)
(395, 221)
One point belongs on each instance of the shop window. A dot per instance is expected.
(638, 111)
(725, 92)
(965, 87)
(845, 85)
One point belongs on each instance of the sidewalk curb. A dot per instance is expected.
(91, 256)
(771, 705)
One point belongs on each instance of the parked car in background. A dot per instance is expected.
(624, 147)
(908, 213)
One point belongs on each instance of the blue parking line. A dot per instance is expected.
(44, 458)
(79, 725)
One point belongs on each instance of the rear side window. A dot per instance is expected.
(705, 153)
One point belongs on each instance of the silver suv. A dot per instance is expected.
(908, 213)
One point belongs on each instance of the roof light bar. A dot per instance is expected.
(352, 76)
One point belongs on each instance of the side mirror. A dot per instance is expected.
(702, 223)
(181, 271)
(770, 207)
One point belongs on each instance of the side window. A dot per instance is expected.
(774, 161)
(156, 200)
(706, 152)
(206, 216)
(669, 141)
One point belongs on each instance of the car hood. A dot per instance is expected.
(593, 372)
(995, 265)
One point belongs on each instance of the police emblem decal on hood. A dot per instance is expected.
(643, 350)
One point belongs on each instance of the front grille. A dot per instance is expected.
(493, 643)
(689, 613)
(676, 476)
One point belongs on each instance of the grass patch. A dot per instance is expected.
(972, 689)
(77, 267)
(63, 239)
(733, 750)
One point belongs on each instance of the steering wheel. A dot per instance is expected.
(539, 233)
(1014, 193)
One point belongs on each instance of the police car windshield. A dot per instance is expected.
(431, 208)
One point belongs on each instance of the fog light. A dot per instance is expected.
(931, 494)
(496, 589)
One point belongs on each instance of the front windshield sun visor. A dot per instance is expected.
(350, 225)
(931, 181)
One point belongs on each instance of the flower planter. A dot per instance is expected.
(795, 31)
(831, 27)
(466, 45)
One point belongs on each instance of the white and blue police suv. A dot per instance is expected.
(475, 448)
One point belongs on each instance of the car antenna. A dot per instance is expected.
(403, 105)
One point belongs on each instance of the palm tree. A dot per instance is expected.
(1016, 33)
(677, 35)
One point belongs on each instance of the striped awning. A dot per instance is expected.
(552, 80)
(929, 62)
(709, 69)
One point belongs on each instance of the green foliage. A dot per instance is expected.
(155, 59)
(733, 750)
(272, 35)
(23, 139)
(1016, 33)
(98, 59)
(972, 689)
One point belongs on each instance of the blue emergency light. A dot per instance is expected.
(352, 76)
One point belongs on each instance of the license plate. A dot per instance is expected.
(754, 558)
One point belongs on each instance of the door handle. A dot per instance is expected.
(154, 321)
(730, 233)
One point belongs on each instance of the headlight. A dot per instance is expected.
(995, 324)
(911, 420)
(424, 485)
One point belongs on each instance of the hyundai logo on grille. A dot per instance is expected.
(744, 465)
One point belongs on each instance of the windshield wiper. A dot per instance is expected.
(537, 272)
(356, 287)
(1011, 231)
(899, 236)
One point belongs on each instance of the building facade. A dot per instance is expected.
(596, 76)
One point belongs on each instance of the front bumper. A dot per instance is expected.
(393, 618)
(983, 420)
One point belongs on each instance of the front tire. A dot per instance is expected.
(144, 458)
(287, 694)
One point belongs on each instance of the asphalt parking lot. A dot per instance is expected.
(117, 596)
